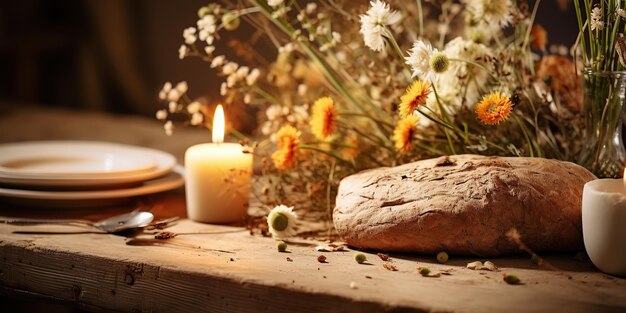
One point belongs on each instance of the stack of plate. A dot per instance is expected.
(59, 173)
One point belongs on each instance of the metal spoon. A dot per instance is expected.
(114, 224)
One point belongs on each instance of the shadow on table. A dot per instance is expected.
(570, 262)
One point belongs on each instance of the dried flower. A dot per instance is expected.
(274, 3)
(281, 246)
(511, 279)
(423, 270)
(196, 119)
(360, 258)
(182, 51)
(230, 20)
(404, 133)
(288, 139)
(537, 260)
(442, 257)
(383, 256)
(168, 127)
(282, 222)
(413, 97)
(596, 19)
(161, 115)
(323, 118)
(426, 62)
(194, 107)
(496, 12)
(374, 22)
(390, 267)
(218, 61)
(475, 265)
(189, 34)
(539, 37)
(494, 108)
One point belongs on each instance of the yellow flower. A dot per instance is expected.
(285, 157)
(404, 133)
(287, 137)
(323, 118)
(414, 96)
(494, 108)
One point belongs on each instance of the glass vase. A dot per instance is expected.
(602, 150)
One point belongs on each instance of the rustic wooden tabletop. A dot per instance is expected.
(223, 268)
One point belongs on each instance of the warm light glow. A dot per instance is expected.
(218, 125)
(624, 176)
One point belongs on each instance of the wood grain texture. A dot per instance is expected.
(101, 272)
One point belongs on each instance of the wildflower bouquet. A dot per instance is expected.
(357, 85)
(603, 47)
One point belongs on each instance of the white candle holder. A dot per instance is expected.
(604, 224)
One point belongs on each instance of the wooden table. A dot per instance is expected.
(224, 268)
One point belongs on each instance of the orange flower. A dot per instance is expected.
(414, 96)
(323, 118)
(404, 133)
(287, 139)
(284, 159)
(539, 37)
(494, 108)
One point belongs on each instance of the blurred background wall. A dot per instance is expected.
(114, 55)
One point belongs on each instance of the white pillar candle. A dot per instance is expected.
(217, 178)
(604, 224)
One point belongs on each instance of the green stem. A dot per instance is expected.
(329, 153)
(524, 131)
(420, 18)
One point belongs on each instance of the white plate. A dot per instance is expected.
(164, 162)
(72, 159)
(52, 199)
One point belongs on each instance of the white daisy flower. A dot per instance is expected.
(282, 222)
(498, 12)
(426, 62)
(374, 22)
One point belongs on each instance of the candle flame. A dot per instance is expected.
(624, 176)
(218, 125)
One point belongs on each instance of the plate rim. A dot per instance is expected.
(173, 180)
(164, 162)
